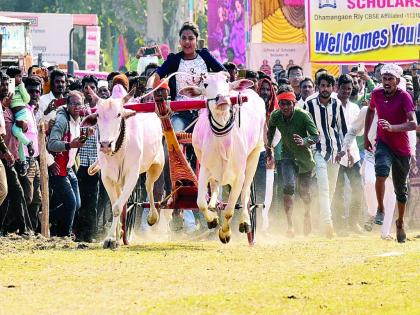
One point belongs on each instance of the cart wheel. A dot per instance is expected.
(253, 215)
(129, 214)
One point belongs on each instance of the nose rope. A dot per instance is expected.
(121, 137)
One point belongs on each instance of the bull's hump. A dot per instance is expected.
(108, 104)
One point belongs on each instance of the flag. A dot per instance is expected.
(120, 53)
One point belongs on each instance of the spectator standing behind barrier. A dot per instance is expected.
(13, 212)
(396, 116)
(64, 141)
(86, 217)
(10, 160)
(18, 106)
(328, 115)
(31, 183)
(349, 166)
(47, 109)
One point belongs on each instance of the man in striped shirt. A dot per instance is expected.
(85, 221)
(328, 115)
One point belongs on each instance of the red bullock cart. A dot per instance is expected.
(183, 178)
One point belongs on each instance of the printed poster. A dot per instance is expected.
(368, 31)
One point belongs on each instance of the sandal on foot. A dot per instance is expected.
(379, 218)
(369, 224)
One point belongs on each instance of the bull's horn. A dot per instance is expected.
(129, 96)
(95, 97)
(94, 168)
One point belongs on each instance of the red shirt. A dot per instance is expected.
(394, 110)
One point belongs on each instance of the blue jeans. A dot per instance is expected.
(65, 202)
(326, 176)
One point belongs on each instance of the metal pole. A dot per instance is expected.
(40, 59)
(1, 47)
(71, 44)
(70, 63)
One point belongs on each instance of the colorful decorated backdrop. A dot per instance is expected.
(226, 30)
(363, 31)
(282, 22)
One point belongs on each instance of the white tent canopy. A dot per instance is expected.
(8, 20)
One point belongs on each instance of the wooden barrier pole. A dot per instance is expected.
(43, 168)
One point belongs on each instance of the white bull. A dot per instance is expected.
(129, 145)
(227, 141)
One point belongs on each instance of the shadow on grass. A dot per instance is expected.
(164, 247)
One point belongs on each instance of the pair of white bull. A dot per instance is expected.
(132, 145)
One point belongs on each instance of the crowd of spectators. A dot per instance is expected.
(313, 143)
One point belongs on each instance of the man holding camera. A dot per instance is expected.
(85, 221)
(47, 107)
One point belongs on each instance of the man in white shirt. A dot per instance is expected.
(328, 115)
(307, 88)
(349, 166)
(47, 108)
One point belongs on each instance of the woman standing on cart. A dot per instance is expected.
(189, 60)
(193, 61)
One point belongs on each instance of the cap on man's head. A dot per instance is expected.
(392, 69)
(120, 79)
(102, 83)
(287, 96)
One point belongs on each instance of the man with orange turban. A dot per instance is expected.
(298, 132)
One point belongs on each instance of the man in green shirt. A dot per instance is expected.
(298, 133)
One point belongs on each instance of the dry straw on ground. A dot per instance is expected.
(362, 275)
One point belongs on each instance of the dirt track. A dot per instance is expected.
(351, 275)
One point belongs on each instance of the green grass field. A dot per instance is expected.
(363, 275)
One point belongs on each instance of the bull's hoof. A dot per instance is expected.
(224, 237)
(111, 244)
(213, 224)
(244, 227)
(152, 219)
